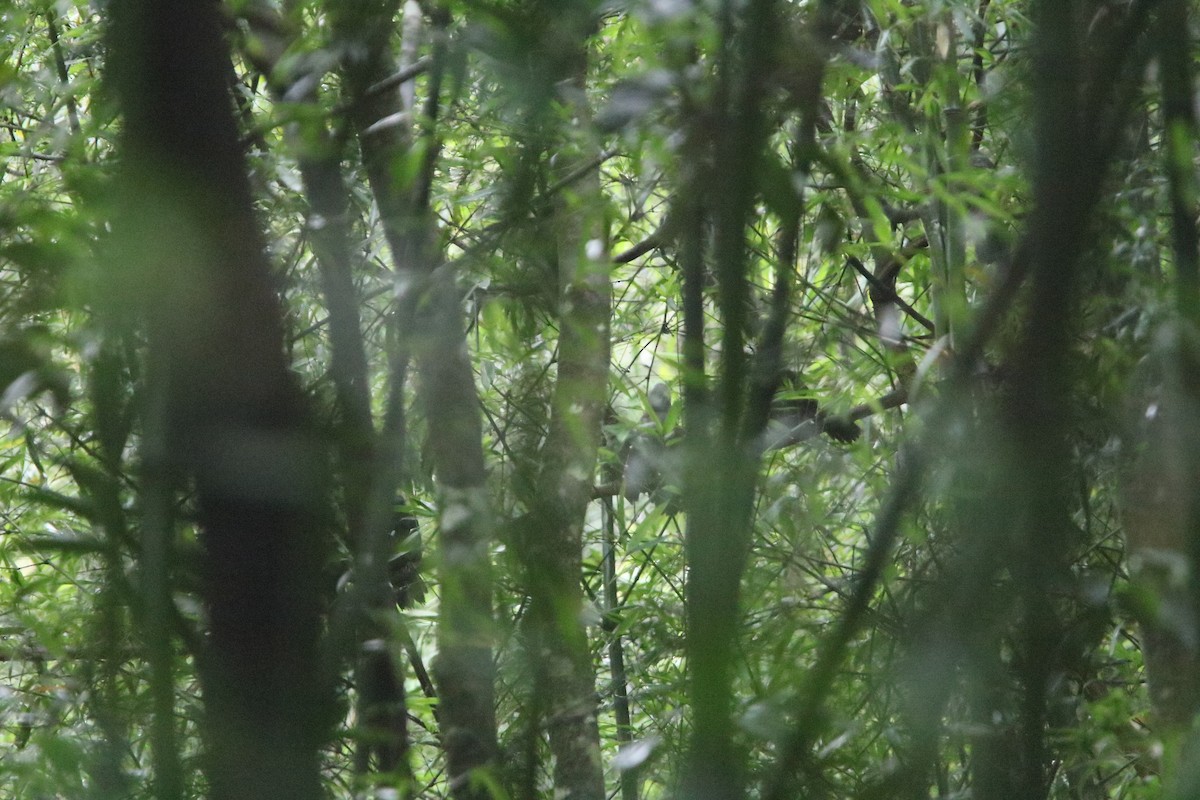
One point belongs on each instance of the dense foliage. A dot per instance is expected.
(535, 398)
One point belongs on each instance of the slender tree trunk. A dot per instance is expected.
(1069, 166)
(616, 647)
(549, 542)
(194, 259)
(434, 326)
(569, 464)
(722, 436)
(1160, 513)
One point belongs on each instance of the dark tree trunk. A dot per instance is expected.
(236, 427)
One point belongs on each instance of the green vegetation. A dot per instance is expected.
(567, 399)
